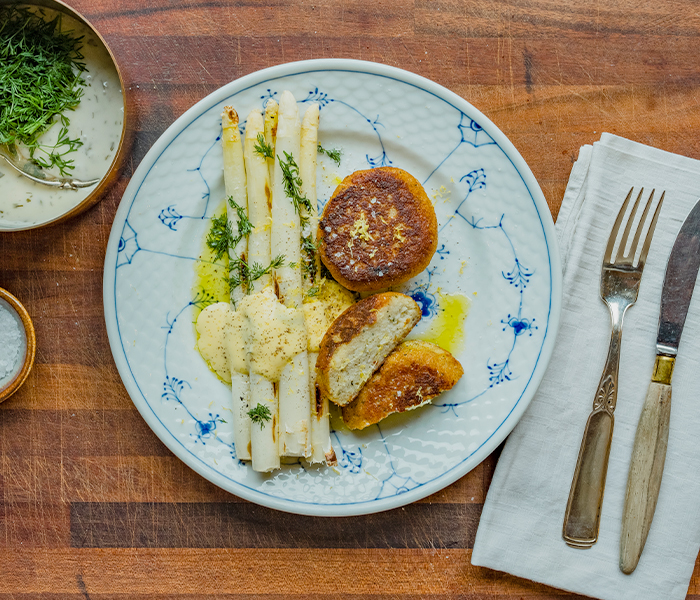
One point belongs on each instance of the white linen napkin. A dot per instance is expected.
(520, 531)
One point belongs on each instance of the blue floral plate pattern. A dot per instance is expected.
(496, 248)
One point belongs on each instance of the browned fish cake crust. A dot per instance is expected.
(355, 320)
(411, 375)
(378, 229)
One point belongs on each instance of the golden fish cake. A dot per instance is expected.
(378, 229)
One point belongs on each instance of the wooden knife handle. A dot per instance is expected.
(646, 469)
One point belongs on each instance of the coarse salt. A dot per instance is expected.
(12, 342)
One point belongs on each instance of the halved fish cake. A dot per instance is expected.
(411, 376)
(359, 340)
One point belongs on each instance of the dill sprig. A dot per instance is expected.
(257, 270)
(263, 148)
(220, 236)
(241, 273)
(309, 246)
(334, 154)
(260, 414)
(313, 292)
(40, 79)
(292, 187)
(243, 223)
(309, 249)
(238, 274)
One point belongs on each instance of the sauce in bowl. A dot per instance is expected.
(99, 123)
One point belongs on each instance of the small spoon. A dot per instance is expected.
(31, 171)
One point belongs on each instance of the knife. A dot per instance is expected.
(651, 439)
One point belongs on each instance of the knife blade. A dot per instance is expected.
(651, 438)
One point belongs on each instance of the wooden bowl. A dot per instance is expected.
(9, 302)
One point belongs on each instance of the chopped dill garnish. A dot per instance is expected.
(334, 154)
(243, 223)
(220, 236)
(260, 414)
(257, 270)
(309, 249)
(40, 79)
(308, 245)
(238, 274)
(313, 292)
(241, 273)
(292, 187)
(263, 148)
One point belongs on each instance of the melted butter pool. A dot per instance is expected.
(446, 328)
(210, 283)
(210, 277)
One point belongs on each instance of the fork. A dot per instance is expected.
(619, 286)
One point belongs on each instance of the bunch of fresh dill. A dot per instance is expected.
(40, 79)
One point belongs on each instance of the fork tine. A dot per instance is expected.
(616, 228)
(650, 233)
(625, 236)
(640, 227)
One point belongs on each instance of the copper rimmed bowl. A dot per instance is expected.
(99, 121)
(18, 344)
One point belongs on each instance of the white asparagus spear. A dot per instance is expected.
(294, 401)
(264, 434)
(235, 185)
(321, 447)
(307, 171)
(320, 439)
(259, 200)
(271, 113)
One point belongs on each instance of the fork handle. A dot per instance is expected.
(646, 469)
(582, 517)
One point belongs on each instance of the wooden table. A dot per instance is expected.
(92, 504)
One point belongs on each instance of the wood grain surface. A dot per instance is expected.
(92, 504)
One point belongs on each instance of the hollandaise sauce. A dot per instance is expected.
(262, 336)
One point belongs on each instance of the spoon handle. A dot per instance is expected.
(31, 171)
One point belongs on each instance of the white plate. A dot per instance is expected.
(496, 247)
